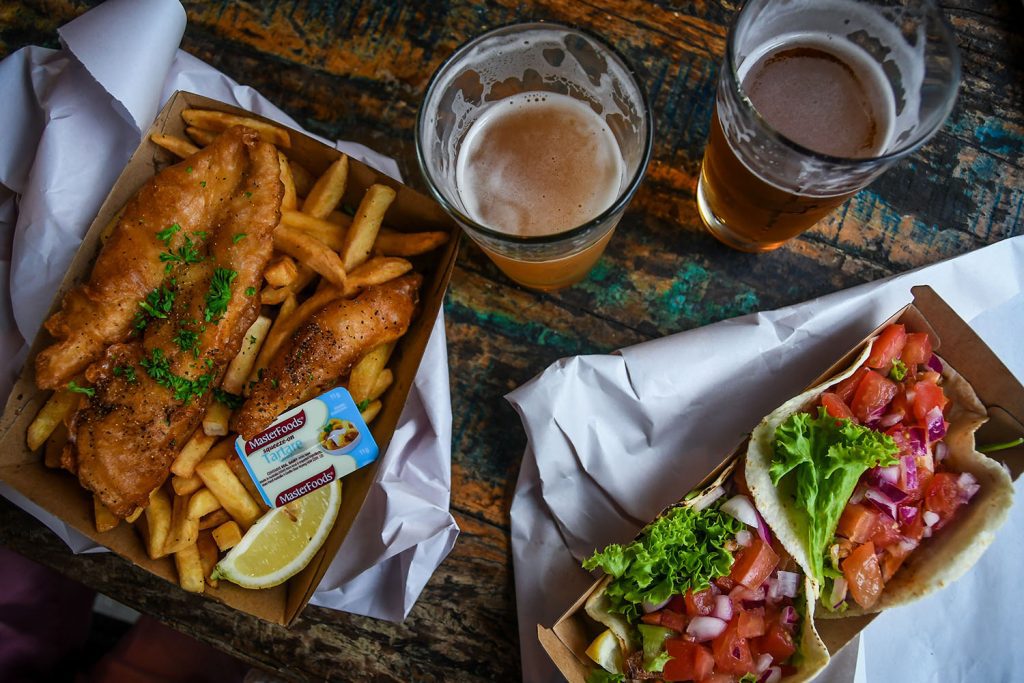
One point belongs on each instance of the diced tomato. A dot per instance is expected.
(777, 641)
(915, 530)
(754, 564)
(673, 620)
(917, 349)
(677, 604)
(652, 618)
(719, 678)
(943, 497)
(857, 522)
(886, 533)
(926, 397)
(750, 623)
(899, 405)
(732, 652)
(848, 386)
(701, 603)
(690, 661)
(873, 394)
(887, 347)
(892, 558)
(726, 583)
(863, 575)
(835, 406)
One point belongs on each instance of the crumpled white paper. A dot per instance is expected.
(77, 114)
(613, 439)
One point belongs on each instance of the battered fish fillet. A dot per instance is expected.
(151, 393)
(325, 348)
(100, 312)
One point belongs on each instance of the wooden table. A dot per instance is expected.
(358, 70)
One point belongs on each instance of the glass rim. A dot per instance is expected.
(621, 200)
(948, 37)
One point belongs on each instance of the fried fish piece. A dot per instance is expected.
(151, 393)
(101, 311)
(325, 348)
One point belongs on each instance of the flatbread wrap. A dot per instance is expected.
(872, 482)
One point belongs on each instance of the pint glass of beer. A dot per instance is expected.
(816, 99)
(534, 137)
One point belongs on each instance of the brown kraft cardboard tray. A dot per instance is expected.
(59, 493)
(567, 639)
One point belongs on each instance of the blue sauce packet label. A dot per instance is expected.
(308, 447)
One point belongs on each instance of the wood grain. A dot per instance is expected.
(358, 70)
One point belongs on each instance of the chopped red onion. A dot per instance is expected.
(739, 507)
(930, 518)
(941, 451)
(935, 364)
(889, 420)
(927, 532)
(762, 528)
(744, 537)
(772, 674)
(892, 492)
(749, 598)
(789, 583)
(723, 608)
(789, 615)
(839, 588)
(908, 472)
(710, 498)
(917, 441)
(881, 501)
(907, 514)
(890, 474)
(652, 607)
(936, 425)
(762, 663)
(705, 628)
(858, 494)
(907, 544)
(968, 485)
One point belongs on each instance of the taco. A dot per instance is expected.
(872, 482)
(704, 594)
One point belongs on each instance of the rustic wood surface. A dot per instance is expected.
(358, 70)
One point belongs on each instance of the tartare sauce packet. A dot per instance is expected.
(308, 447)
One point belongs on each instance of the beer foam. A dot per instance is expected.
(538, 163)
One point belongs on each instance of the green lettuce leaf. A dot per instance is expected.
(654, 637)
(601, 676)
(682, 550)
(826, 456)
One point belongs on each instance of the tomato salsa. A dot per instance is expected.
(899, 392)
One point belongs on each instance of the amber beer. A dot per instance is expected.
(827, 101)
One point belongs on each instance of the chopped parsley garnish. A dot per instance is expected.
(252, 339)
(158, 367)
(273, 384)
(167, 233)
(363, 405)
(248, 194)
(233, 401)
(200, 234)
(202, 183)
(239, 236)
(220, 293)
(188, 170)
(157, 304)
(75, 389)
(126, 371)
(185, 254)
(899, 370)
(249, 291)
(187, 340)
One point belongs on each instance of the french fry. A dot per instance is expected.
(241, 365)
(184, 529)
(105, 519)
(328, 189)
(371, 411)
(179, 147)
(227, 536)
(224, 449)
(208, 556)
(394, 243)
(199, 136)
(339, 218)
(53, 412)
(185, 486)
(364, 373)
(194, 450)
(214, 519)
(238, 467)
(365, 225)
(271, 296)
(219, 478)
(374, 272)
(281, 271)
(288, 199)
(219, 121)
(329, 233)
(381, 384)
(135, 514)
(311, 252)
(158, 523)
(202, 503)
(190, 568)
(215, 421)
(284, 327)
(55, 446)
(303, 178)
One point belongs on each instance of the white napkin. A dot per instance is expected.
(613, 439)
(78, 114)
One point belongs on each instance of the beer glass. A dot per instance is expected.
(534, 138)
(816, 98)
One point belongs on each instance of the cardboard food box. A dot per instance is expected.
(567, 639)
(59, 492)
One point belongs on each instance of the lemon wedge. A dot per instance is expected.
(605, 651)
(283, 541)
